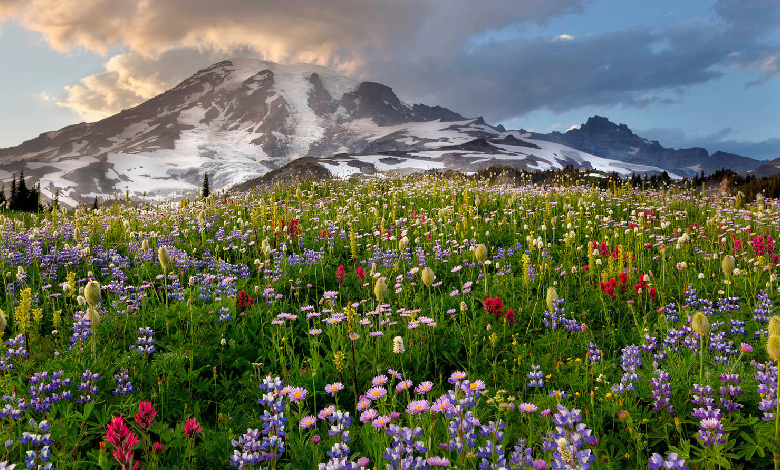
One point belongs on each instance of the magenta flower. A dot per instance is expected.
(376, 393)
(424, 388)
(417, 407)
(123, 440)
(308, 421)
(379, 380)
(403, 385)
(192, 428)
(145, 416)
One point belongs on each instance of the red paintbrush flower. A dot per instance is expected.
(123, 440)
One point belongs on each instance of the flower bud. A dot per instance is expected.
(774, 326)
(727, 265)
(164, 257)
(427, 276)
(552, 296)
(773, 347)
(480, 252)
(700, 324)
(145, 245)
(398, 345)
(92, 293)
(380, 289)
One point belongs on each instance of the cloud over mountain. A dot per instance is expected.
(427, 52)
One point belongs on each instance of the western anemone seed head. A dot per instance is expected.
(773, 347)
(727, 265)
(480, 252)
(774, 326)
(81, 300)
(94, 319)
(3, 322)
(552, 296)
(201, 218)
(427, 276)
(380, 289)
(398, 345)
(164, 257)
(77, 233)
(403, 243)
(92, 293)
(700, 324)
(145, 245)
(265, 247)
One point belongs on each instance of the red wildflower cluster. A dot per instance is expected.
(763, 245)
(494, 307)
(604, 249)
(361, 273)
(145, 416)
(510, 316)
(192, 428)
(608, 287)
(243, 302)
(123, 440)
(294, 228)
(341, 273)
(642, 287)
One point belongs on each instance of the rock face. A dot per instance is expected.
(240, 119)
(770, 168)
(602, 137)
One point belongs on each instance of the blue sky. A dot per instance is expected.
(687, 73)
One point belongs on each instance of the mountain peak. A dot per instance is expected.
(599, 125)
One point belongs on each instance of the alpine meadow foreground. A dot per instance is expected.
(414, 322)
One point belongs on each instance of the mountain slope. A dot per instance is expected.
(242, 118)
(602, 137)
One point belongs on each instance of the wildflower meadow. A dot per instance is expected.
(395, 323)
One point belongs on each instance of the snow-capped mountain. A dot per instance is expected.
(241, 118)
(602, 137)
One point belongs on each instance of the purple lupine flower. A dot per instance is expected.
(274, 421)
(595, 354)
(145, 342)
(710, 426)
(123, 384)
(701, 395)
(522, 455)
(630, 361)
(766, 374)
(672, 462)
(662, 390)
(88, 384)
(536, 376)
(569, 437)
(729, 392)
(764, 307)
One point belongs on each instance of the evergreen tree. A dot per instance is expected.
(22, 194)
(95, 204)
(14, 193)
(206, 191)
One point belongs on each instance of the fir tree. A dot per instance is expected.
(206, 191)
(14, 193)
(95, 204)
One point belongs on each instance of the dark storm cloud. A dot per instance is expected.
(424, 49)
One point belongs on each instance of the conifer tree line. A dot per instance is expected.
(22, 198)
